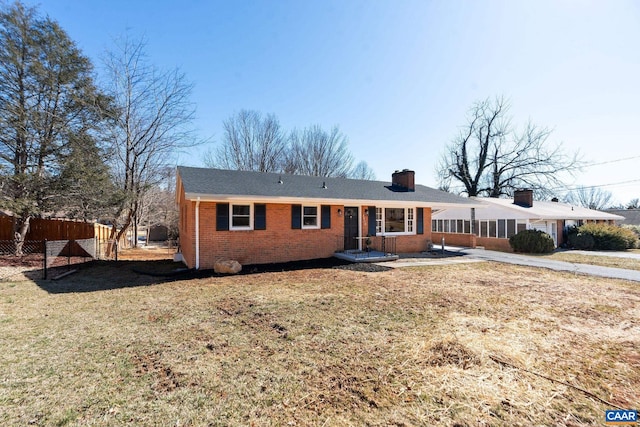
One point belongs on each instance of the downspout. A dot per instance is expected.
(198, 233)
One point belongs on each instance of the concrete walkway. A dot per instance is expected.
(532, 261)
(610, 254)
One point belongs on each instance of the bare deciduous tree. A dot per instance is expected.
(251, 142)
(492, 157)
(362, 171)
(254, 142)
(590, 197)
(315, 152)
(151, 121)
(158, 205)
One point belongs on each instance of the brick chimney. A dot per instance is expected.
(404, 180)
(523, 198)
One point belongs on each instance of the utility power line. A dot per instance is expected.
(612, 184)
(588, 165)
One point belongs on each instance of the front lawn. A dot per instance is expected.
(447, 345)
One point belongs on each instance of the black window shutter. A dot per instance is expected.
(420, 216)
(326, 216)
(259, 216)
(222, 216)
(296, 216)
(372, 220)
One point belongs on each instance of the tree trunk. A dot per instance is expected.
(21, 234)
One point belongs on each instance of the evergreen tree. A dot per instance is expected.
(85, 185)
(47, 95)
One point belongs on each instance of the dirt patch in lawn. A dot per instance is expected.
(447, 345)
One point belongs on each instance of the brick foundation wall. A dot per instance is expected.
(494, 244)
(471, 241)
(412, 243)
(454, 239)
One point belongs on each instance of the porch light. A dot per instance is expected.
(366, 212)
(339, 212)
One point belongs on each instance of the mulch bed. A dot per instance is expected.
(152, 269)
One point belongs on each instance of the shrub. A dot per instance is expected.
(581, 241)
(634, 228)
(609, 237)
(532, 241)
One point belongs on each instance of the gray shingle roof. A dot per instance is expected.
(201, 182)
(631, 216)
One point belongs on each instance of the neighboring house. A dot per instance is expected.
(503, 218)
(258, 218)
(158, 233)
(630, 216)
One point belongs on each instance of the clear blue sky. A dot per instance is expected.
(397, 76)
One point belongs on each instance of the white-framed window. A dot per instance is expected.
(391, 221)
(240, 217)
(451, 226)
(311, 216)
(394, 220)
(502, 228)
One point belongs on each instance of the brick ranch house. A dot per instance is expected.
(261, 218)
(502, 218)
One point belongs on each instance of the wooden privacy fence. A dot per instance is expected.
(55, 229)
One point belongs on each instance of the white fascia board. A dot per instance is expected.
(328, 201)
(591, 217)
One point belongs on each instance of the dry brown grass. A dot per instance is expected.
(319, 347)
(604, 261)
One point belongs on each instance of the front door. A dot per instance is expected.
(350, 228)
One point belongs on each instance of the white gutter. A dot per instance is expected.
(329, 201)
(198, 233)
